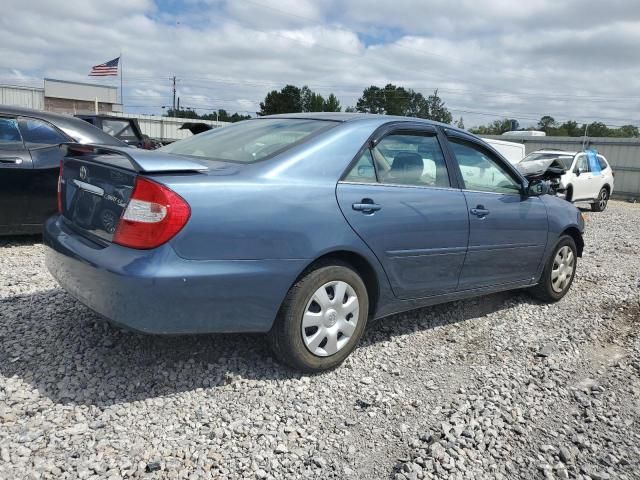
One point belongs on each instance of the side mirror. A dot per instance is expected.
(537, 188)
(579, 171)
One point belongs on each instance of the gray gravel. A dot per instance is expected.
(496, 387)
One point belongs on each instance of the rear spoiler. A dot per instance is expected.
(142, 161)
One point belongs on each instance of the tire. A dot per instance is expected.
(601, 203)
(569, 195)
(546, 290)
(289, 340)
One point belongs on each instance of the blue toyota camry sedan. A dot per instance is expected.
(305, 226)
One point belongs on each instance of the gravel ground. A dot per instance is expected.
(496, 387)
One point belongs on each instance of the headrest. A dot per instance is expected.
(426, 149)
(407, 161)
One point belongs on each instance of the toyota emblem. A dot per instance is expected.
(83, 173)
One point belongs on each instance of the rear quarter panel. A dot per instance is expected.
(282, 209)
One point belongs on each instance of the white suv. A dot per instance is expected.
(576, 176)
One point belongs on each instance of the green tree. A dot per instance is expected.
(394, 100)
(372, 101)
(287, 100)
(460, 123)
(437, 110)
(546, 123)
(597, 129)
(331, 104)
(497, 127)
(570, 129)
(311, 101)
(292, 99)
(182, 113)
(222, 116)
(627, 131)
(236, 117)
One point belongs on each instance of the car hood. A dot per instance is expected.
(539, 167)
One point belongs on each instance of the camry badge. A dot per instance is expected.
(83, 173)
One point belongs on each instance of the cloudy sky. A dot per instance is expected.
(489, 59)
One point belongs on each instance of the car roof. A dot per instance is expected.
(63, 121)
(30, 112)
(356, 116)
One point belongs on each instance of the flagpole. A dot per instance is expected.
(121, 90)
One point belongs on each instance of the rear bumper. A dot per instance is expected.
(156, 291)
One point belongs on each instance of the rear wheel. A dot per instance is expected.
(558, 273)
(322, 319)
(601, 203)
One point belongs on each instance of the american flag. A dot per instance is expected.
(105, 69)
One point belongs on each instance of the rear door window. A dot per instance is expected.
(411, 159)
(10, 137)
(38, 133)
(363, 171)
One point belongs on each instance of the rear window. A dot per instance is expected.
(38, 132)
(118, 128)
(9, 133)
(602, 162)
(249, 141)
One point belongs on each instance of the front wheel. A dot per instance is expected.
(322, 319)
(558, 273)
(601, 203)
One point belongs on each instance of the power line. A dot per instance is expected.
(344, 90)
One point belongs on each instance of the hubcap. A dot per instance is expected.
(562, 270)
(330, 318)
(603, 199)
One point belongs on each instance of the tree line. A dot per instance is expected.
(552, 128)
(221, 116)
(292, 99)
(397, 100)
(387, 100)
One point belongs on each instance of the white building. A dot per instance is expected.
(63, 96)
(73, 98)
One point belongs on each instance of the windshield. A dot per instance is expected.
(564, 159)
(249, 141)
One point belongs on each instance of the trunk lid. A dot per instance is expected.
(96, 184)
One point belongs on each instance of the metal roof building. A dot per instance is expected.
(29, 97)
(63, 96)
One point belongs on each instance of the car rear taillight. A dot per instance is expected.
(154, 215)
(60, 189)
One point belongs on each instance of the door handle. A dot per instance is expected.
(366, 206)
(11, 160)
(479, 211)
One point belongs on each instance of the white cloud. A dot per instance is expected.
(565, 58)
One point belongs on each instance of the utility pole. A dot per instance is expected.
(174, 93)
